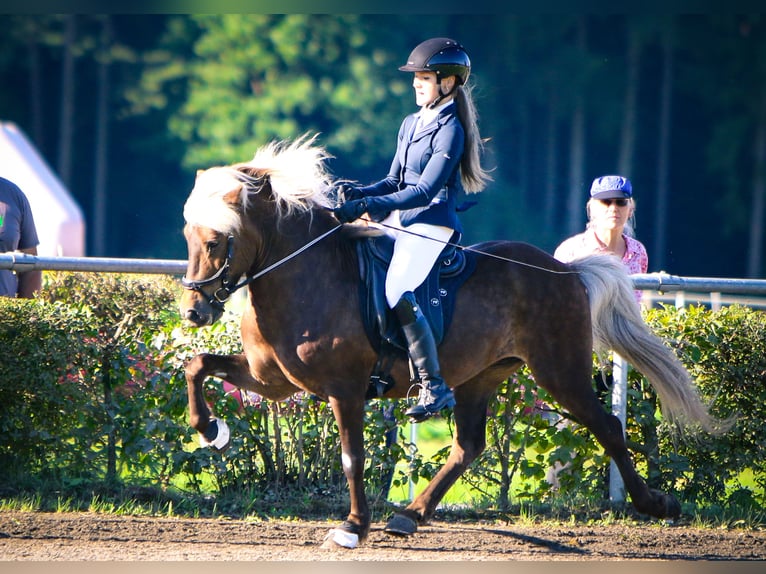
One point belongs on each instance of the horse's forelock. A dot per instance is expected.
(207, 205)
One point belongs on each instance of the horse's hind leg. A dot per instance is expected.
(569, 382)
(471, 401)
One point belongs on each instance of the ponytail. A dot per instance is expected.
(472, 175)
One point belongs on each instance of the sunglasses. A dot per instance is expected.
(619, 202)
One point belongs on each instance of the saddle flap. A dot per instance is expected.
(436, 295)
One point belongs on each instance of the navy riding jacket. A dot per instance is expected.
(424, 179)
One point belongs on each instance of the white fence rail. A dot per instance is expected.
(24, 262)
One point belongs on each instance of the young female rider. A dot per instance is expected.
(437, 156)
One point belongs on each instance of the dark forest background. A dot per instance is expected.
(126, 108)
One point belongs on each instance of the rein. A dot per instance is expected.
(228, 287)
(477, 251)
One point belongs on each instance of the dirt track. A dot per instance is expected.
(26, 536)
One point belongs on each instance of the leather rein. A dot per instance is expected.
(228, 286)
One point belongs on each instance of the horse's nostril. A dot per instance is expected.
(193, 316)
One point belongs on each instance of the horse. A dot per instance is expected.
(267, 225)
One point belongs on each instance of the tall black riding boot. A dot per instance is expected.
(434, 394)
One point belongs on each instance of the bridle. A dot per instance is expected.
(222, 294)
(228, 286)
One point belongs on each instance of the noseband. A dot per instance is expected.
(228, 286)
(222, 294)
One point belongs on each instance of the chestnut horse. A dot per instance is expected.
(248, 225)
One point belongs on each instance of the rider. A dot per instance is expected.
(437, 156)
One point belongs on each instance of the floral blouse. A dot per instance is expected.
(635, 259)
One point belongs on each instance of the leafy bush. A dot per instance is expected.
(94, 393)
(724, 350)
(48, 393)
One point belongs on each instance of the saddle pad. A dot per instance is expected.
(436, 295)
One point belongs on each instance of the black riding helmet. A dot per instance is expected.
(441, 55)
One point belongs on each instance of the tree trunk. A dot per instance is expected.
(575, 211)
(102, 141)
(35, 87)
(67, 101)
(628, 136)
(663, 147)
(755, 247)
(551, 164)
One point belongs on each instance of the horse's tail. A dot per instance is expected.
(619, 326)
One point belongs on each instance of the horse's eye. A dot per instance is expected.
(211, 246)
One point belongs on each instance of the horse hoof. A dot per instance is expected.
(672, 507)
(401, 525)
(665, 505)
(216, 435)
(339, 538)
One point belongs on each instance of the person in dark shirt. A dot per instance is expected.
(17, 233)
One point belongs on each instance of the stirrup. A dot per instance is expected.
(422, 410)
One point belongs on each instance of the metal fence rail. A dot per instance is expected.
(661, 282)
(24, 262)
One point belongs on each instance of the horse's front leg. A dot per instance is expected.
(349, 416)
(236, 370)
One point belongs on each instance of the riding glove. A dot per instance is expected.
(350, 210)
(351, 193)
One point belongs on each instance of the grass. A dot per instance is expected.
(253, 506)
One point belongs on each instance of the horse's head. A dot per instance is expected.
(221, 210)
(213, 216)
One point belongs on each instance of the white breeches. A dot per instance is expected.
(416, 249)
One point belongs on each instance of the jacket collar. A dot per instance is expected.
(445, 113)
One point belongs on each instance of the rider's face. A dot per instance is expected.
(426, 88)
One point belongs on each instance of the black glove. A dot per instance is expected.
(351, 193)
(350, 210)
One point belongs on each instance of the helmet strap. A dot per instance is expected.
(441, 96)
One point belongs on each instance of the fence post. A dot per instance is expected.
(620, 410)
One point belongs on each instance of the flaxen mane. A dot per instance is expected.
(296, 173)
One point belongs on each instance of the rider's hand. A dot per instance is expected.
(351, 193)
(350, 210)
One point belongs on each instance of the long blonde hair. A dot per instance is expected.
(473, 176)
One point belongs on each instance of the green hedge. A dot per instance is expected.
(725, 351)
(94, 397)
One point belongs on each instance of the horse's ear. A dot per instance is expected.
(261, 176)
(233, 197)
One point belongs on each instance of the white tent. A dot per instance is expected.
(58, 218)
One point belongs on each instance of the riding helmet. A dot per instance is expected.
(441, 55)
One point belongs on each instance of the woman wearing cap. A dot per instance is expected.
(437, 155)
(610, 212)
(609, 230)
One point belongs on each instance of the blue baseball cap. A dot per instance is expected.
(610, 187)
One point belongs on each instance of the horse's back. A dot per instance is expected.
(523, 271)
(518, 297)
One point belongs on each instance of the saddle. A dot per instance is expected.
(436, 297)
